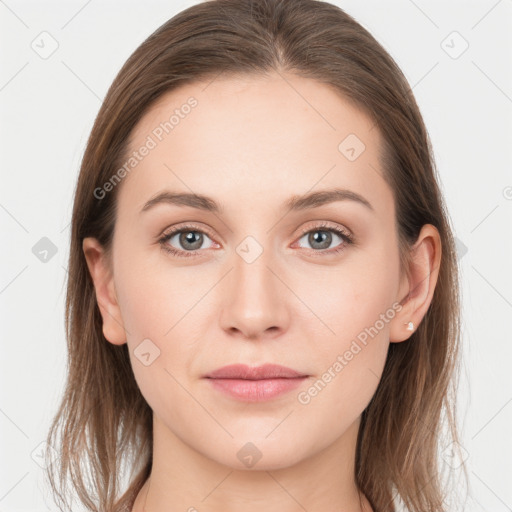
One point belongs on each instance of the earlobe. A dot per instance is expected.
(425, 259)
(103, 280)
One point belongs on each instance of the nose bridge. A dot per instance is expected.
(256, 302)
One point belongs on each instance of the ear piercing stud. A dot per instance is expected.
(410, 326)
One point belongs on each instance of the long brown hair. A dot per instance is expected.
(104, 421)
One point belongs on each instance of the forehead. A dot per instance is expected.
(244, 139)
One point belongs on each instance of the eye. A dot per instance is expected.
(190, 240)
(320, 238)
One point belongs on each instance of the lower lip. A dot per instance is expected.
(256, 390)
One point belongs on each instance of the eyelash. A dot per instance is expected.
(345, 235)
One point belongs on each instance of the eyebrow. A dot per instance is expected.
(295, 203)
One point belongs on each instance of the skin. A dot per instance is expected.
(252, 143)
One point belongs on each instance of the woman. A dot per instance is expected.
(263, 301)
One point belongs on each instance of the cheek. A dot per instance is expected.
(156, 313)
(351, 297)
(349, 346)
(351, 337)
(151, 295)
(163, 313)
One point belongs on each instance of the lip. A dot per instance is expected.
(265, 371)
(255, 384)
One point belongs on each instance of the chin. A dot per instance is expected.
(254, 453)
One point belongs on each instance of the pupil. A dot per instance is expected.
(191, 237)
(323, 238)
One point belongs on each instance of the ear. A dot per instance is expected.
(418, 288)
(103, 279)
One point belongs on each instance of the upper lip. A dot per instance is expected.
(266, 371)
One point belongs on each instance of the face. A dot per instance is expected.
(268, 276)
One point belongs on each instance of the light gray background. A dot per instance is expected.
(47, 109)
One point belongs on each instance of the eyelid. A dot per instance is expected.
(169, 233)
(183, 227)
(310, 226)
(342, 232)
(328, 226)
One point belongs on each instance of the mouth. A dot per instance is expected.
(255, 384)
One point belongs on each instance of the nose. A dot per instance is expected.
(256, 304)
